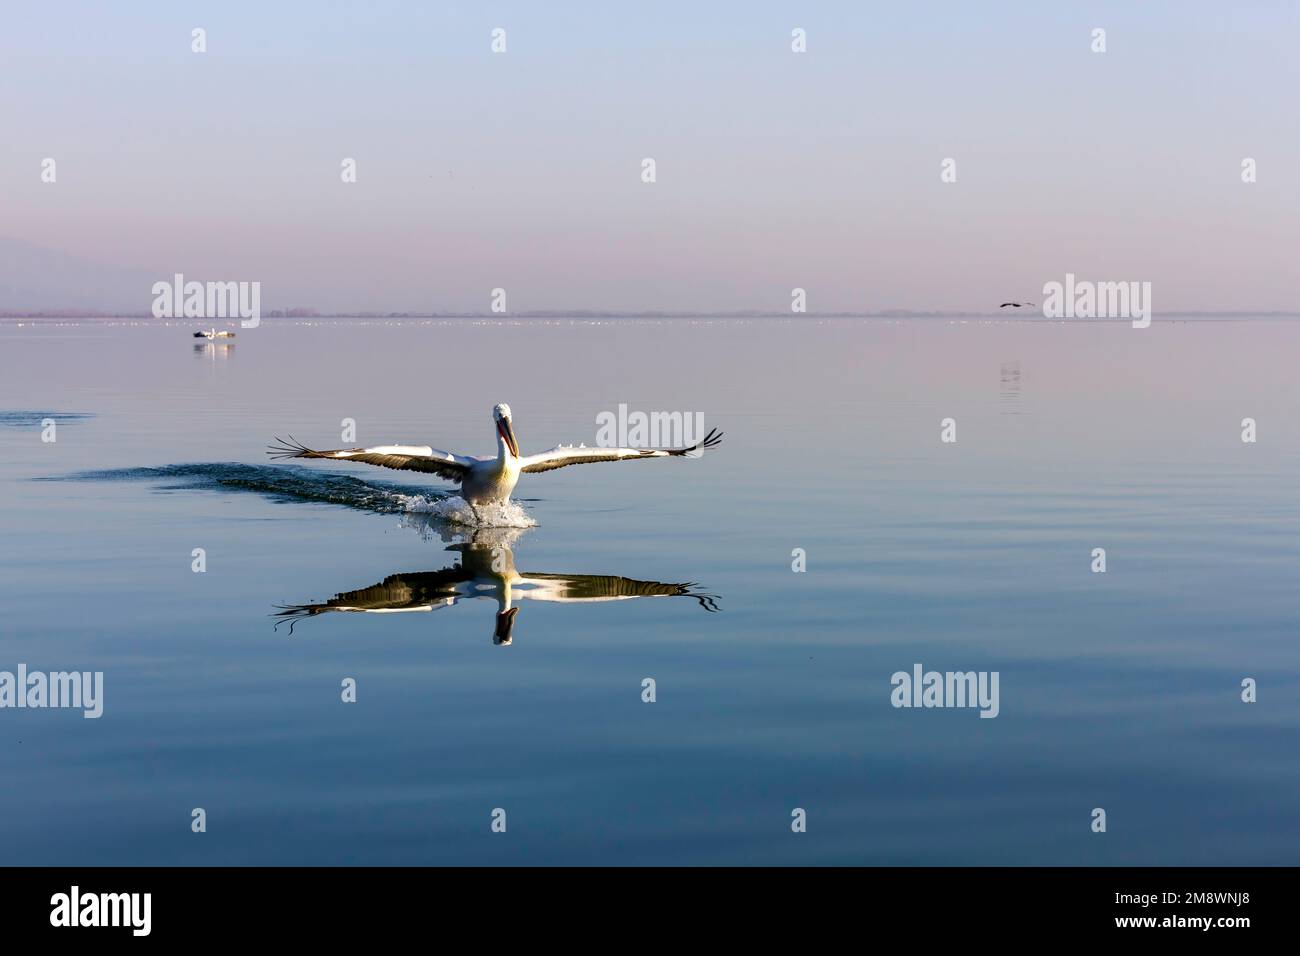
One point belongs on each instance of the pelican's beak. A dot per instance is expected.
(507, 432)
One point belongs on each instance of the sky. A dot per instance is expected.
(774, 170)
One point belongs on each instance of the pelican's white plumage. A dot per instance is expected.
(485, 480)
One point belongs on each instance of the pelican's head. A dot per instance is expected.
(501, 415)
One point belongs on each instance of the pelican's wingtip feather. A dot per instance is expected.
(287, 449)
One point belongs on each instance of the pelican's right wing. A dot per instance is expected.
(402, 457)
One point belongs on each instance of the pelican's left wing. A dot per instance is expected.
(415, 591)
(562, 457)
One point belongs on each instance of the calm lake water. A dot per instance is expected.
(1119, 690)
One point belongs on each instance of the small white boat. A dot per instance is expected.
(213, 334)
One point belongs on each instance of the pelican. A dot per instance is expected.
(487, 570)
(485, 480)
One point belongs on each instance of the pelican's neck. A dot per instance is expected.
(504, 455)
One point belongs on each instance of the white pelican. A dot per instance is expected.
(484, 480)
(487, 570)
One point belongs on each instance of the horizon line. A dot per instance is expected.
(303, 312)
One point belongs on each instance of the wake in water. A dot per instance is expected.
(35, 419)
(288, 484)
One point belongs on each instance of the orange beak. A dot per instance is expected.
(507, 433)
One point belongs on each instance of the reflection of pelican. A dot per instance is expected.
(487, 570)
(214, 349)
(484, 480)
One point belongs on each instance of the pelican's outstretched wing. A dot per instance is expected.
(415, 591)
(562, 457)
(403, 457)
(603, 587)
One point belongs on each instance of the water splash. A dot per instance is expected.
(457, 510)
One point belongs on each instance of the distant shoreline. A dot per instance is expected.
(588, 314)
